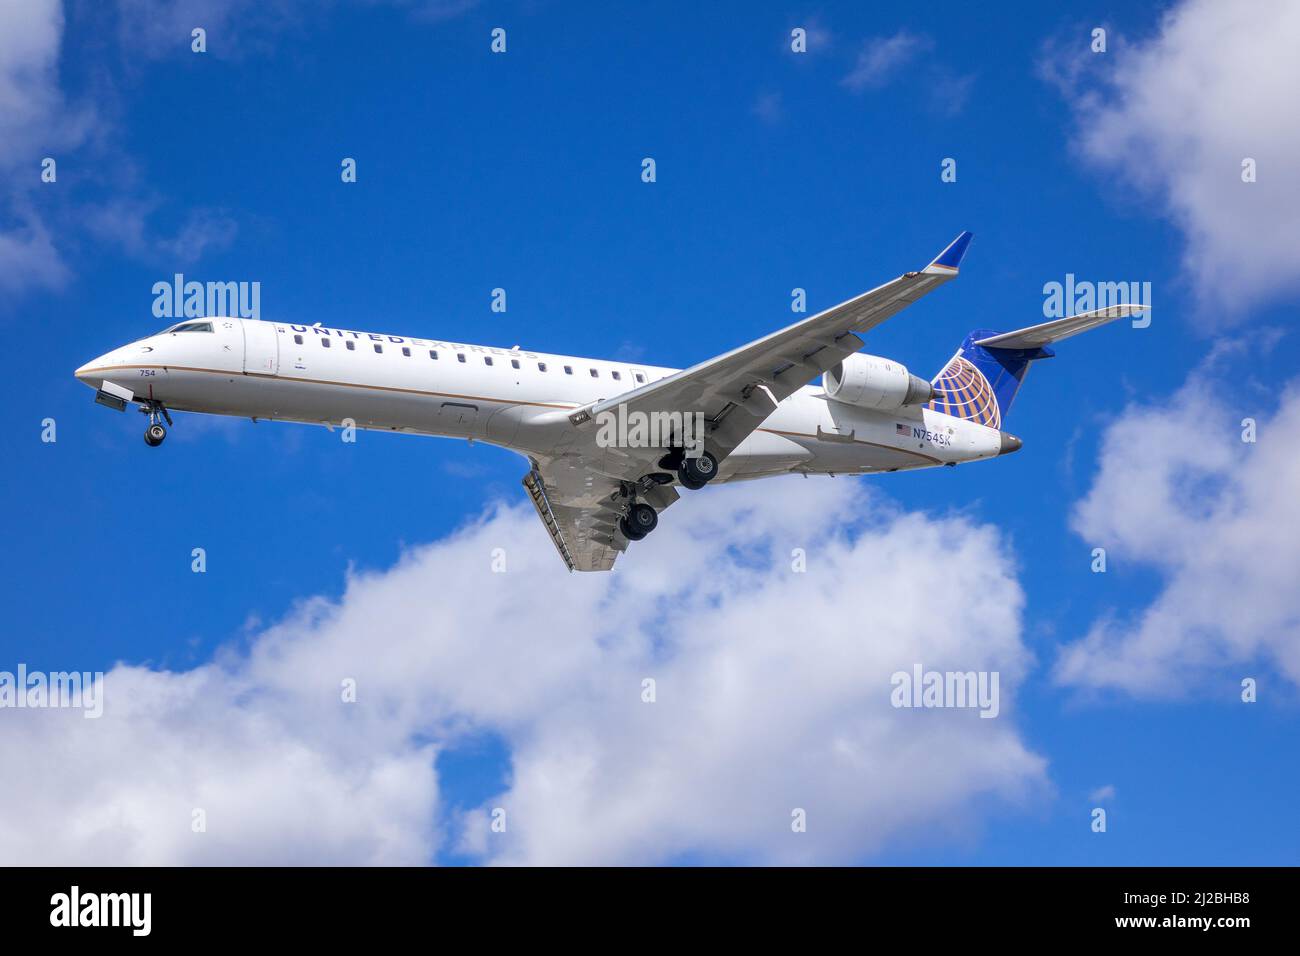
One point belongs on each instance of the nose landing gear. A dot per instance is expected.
(155, 433)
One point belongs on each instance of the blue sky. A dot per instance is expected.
(522, 171)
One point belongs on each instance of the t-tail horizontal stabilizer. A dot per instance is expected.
(981, 381)
(1036, 336)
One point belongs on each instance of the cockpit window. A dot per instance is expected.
(187, 327)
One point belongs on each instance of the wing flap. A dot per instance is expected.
(537, 494)
(584, 529)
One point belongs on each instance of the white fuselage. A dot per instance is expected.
(509, 397)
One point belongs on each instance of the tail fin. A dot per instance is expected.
(980, 382)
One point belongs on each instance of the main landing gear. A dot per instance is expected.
(641, 518)
(639, 521)
(692, 472)
(155, 433)
(695, 473)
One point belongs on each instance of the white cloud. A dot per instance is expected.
(234, 28)
(881, 57)
(817, 38)
(123, 788)
(1177, 115)
(772, 693)
(161, 29)
(28, 257)
(125, 222)
(33, 113)
(35, 122)
(435, 11)
(37, 119)
(1102, 794)
(1178, 490)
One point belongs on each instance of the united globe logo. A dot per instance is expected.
(964, 392)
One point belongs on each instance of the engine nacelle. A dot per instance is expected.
(869, 381)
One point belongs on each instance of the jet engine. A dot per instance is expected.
(869, 381)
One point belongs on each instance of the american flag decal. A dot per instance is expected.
(905, 430)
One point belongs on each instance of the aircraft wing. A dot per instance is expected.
(736, 391)
(583, 540)
(580, 511)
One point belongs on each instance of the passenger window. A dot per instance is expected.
(487, 360)
(640, 377)
(297, 339)
(352, 346)
(325, 343)
(406, 351)
(541, 366)
(594, 373)
(568, 370)
(433, 353)
(617, 375)
(378, 349)
(514, 363)
(460, 356)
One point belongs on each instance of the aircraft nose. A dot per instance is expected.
(1009, 443)
(96, 370)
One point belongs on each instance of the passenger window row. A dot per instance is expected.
(487, 359)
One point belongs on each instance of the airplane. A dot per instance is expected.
(610, 443)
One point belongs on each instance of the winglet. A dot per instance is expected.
(946, 262)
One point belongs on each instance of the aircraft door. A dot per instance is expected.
(261, 347)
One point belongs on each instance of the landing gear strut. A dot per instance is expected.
(155, 433)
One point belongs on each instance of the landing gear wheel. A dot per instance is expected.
(157, 412)
(641, 519)
(695, 473)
